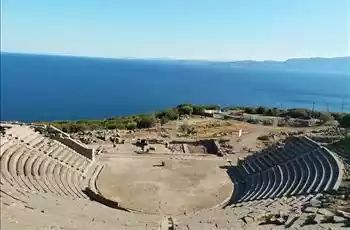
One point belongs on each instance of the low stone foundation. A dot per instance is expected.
(210, 146)
(100, 199)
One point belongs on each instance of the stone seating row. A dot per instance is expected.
(92, 181)
(26, 135)
(294, 147)
(31, 170)
(65, 155)
(275, 203)
(307, 173)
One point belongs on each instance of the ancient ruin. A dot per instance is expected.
(50, 180)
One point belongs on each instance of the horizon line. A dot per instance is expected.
(168, 58)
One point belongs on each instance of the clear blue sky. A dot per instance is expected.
(189, 29)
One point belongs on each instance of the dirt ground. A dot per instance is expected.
(139, 183)
(188, 182)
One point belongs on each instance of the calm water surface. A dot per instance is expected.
(37, 87)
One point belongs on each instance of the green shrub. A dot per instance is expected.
(261, 110)
(145, 121)
(186, 110)
(253, 121)
(324, 117)
(171, 114)
(197, 109)
(232, 108)
(183, 105)
(269, 112)
(62, 122)
(337, 116)
(111, 126)
(74, 127)
(250, 110)
(345, 121)
(120, 126)
(131, 125)
(297, 113)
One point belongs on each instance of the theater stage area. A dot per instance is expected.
(180, 186)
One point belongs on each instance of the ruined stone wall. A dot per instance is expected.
(211, 145)
(100, 199)
(204, 114)
(76, 146)
(65, 139)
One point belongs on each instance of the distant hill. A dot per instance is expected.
(340, 65)
(328, 65)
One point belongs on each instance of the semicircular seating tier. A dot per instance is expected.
(32, 162)
(44, 182)
(298, 167)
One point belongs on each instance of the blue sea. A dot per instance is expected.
(41, 87)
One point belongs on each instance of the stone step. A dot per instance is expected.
(43, 172)
(51, 178)
(66, 184)
(92, 181)
(57, 179)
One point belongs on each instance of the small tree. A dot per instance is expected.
(186, 110)
(197, 109)
(146, 122)
(261, 110)
(172, 114)
(249, 110)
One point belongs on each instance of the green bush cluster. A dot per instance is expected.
(167, 115)
(264, 111)
(196, 109)
(126, 122)
(292, 113)
(257, 110)
(250, 110)
(345, 121)
(147, 120)
(188, 110)
(76, 126)
(308, 114)
(132, 122)
(300, 113)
